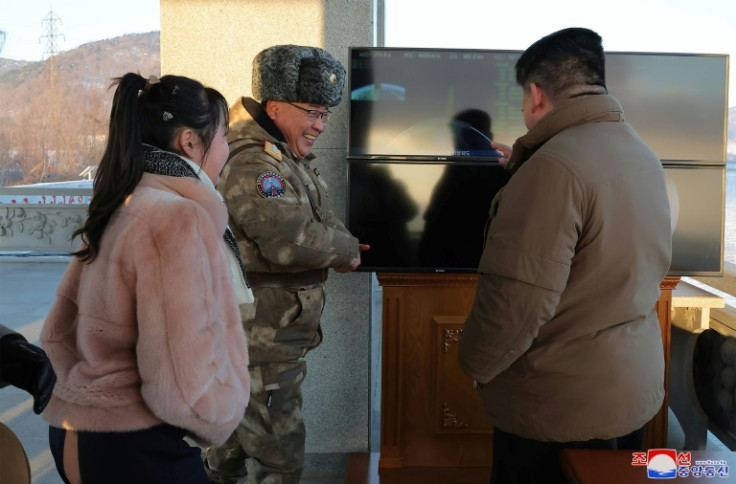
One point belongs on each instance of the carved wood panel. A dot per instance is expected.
(458, 408)
(431, 418)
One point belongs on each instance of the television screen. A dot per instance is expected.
(440, 104)
(421, 217)
(422, 174)
(676, 102)
(696, 195)
(430, 217)
(432, 104)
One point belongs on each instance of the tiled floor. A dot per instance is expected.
(676, 438)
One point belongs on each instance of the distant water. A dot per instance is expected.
(729, 249)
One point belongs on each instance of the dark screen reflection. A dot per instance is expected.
(421, 217)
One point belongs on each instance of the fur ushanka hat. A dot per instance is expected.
(296, 73)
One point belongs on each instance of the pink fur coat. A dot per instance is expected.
(150, 331)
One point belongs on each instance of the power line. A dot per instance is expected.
(50, 22)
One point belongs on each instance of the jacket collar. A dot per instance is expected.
(172, 172)
(256, 111)
(246, 112)
(580, 110)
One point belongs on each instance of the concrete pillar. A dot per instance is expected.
(215, 41)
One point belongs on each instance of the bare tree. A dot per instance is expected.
(52, 134)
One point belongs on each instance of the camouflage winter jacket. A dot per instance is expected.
(277, 203)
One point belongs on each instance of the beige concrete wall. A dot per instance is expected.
(215, 41)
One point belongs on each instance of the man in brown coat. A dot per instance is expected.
(288, 238)
(563, 341)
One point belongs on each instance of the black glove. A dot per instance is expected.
(26, 366)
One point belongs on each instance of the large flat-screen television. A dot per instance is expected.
(421, 173)
(430, 217)
(421, 216)
(696, 194)
(434, 105)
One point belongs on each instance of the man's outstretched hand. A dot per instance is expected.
(355, 262)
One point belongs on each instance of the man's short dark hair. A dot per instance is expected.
(563, 62)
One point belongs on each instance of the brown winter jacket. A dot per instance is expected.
(284, 235)
(294, 232)
(563, 330)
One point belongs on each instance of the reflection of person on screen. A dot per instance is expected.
(458, 209)
(383, 223)
(471, 132)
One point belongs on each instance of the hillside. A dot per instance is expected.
(51, 127)
(90, 65)
(99, 60)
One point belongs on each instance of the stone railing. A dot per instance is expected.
(42, 218)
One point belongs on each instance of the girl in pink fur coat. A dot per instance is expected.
(145, 334)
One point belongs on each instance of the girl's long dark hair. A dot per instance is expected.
(144, 111)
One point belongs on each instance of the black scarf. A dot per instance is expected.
(159, 162)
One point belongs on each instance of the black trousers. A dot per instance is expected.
(517, 460)
(157, 455)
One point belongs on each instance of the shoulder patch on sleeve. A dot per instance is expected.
(273, 151)
(270, 185)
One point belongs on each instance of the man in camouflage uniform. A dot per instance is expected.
(288, 239)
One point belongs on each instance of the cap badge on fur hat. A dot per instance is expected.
(296, 73)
